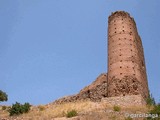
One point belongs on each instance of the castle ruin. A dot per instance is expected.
(126, 64)
(126, 80)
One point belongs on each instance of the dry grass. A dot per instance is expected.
(80, 107)
(3, 113)
(136, 109)
(52, 111)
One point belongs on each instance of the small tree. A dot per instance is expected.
(3, 96)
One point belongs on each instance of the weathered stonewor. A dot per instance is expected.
(126, 64)
(125, 101)
(127, 85)
(94, 92)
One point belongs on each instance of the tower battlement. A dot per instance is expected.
(120, 14)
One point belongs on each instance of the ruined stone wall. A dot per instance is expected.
(126, 65)
(125, 101)
(94, 92)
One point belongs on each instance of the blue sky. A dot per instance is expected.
(53, 48)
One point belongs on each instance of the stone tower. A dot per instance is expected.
(126, 64)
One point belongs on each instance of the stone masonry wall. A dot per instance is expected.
(125, 101)
(125, 57)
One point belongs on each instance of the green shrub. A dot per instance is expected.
(18, 108)
(71, 113)
(150, 100)
(155, 110)
(25, 107)
(116, 108)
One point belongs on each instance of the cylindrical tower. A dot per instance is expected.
(126, 65)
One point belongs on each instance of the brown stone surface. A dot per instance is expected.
(125, 56)
(94, 92)
(128, 85)
(124, 101)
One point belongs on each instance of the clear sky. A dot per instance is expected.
(53, 48)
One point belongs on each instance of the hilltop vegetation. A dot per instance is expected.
(84, 110)
(3, 96)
